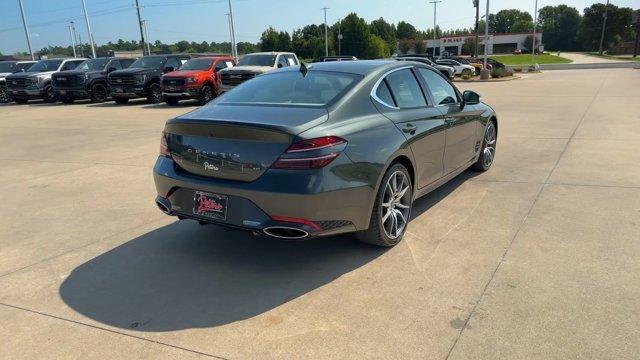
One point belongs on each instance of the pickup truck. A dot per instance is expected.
(88, 80)
(198, 79)
(142, 78)
(252, 65)
(7, 68)
(36, 83)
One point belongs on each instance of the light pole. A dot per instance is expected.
(86, 18)
(533, 42)
(486, 35)
(26, 31)
(146, 35)
(140, 25)
(230, 34)
(340, 37)
(72, 33)
(604, 25)
(434, 25)
(326, 33)
(476, 4)
(234, 49)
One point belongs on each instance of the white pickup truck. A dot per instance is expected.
(252, 65)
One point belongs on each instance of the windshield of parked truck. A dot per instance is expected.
(93, 64)
(7, 66)
(257, 60)
(45, 65)
(317, 88)
(149, 62)
(197, 64)
(23, 66)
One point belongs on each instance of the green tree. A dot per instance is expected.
(385, 31)
(505, 21)
(355, 33)
(618, 29)
(469, 46)
(406, 31)
(419, 46)
(560, 26)
(269, 40)
(376, 48)
(405, 45)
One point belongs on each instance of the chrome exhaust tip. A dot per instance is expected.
(284, 232)
(164, 205)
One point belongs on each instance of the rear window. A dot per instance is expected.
(318, 88)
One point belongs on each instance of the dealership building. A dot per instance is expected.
(497, 43)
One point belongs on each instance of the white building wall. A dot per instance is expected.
(493, 39)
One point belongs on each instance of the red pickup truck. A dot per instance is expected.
(196, 79)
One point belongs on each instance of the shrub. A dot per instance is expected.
(518, 69)
(466, 76)
(508, 71)
(497, 72)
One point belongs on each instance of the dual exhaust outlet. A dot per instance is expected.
(279, 232)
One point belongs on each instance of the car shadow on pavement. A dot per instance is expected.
(162, 105)
(113, 104)
(184, 275)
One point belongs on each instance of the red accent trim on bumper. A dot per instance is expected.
(306, 222)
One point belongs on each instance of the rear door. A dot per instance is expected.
(401, 99)
(460, 123)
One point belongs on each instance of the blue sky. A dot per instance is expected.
(199, 20)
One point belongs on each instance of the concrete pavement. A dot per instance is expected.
(537, 258)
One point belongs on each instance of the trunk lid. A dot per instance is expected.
(236, 142)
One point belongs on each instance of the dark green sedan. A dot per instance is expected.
(337, 147)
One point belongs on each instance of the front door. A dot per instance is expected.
(461, 125)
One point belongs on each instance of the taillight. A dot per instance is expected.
(311, 154)
(164, 149)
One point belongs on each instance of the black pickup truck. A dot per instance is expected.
(142, 78)
(88, 80)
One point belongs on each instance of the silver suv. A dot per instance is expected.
(36, 83)
(252, 65)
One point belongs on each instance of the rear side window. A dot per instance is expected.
(405, 89)
(442, 92)
(384, 94)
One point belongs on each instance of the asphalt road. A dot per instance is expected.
(537, 258)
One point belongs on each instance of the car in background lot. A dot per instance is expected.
(142, 78)
(461, 69)
(332, 148)
(198, 78)
(447, 71)
(88, 80)
(7, 68)
(493, 62)
(35, 83)
(335, 58)
(252, 65)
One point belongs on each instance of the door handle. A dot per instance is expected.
(409, 129)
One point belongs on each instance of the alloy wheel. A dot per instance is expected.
(396, 204)
(489, 151)
(207, 94)
(4, 96)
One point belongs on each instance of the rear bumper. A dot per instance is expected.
(334, 204)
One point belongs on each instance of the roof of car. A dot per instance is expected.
(271, 53)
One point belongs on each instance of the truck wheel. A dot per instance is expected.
(155, 93)
(171, 101)
(4, 96)
(21, 101)
(98, 93)
(121, 100)
(206, 94)
(49, 95)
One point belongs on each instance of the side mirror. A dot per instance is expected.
(470, 97)
(168, 69)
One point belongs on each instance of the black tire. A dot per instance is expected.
(4, 95)
(21, 101)
(120, 100)
(206, 94)
(99, 93)
(49, 95)
(171, 101)
(488, 150)
(155, 93)
(66, 99)
(376, 233)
